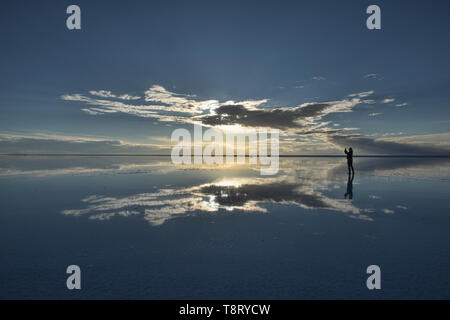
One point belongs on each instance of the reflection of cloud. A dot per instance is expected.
(303, 182)
(230, 195)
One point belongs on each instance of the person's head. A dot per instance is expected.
(350, 149)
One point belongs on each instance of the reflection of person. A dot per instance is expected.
(349, 192)
(349, 154)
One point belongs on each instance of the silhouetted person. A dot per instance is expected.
(349, 192)
(349, 154)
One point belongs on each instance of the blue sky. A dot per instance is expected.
(287, 53)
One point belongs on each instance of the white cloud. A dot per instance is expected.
(374, 114)
(404, 104)
(364, 94)
(102, 93)
(162, 105)
(128, 97)
(166, 106)
(374, 76)
(388, 100)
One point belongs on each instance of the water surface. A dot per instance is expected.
(143, 228)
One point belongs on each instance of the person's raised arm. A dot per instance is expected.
(345, 150)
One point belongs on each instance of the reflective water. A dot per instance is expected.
(140, 227)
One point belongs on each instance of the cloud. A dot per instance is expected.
(306, 119)
(440, 140)
(43, 144)
(92, 112)
(404, 104)
(373, 76)
(102, 93)
(178, 102)
(305, 116)
(384, 146)
(103, 106)
(166, 106)
(275, 118)
(318, 78)
(128, 97)
(109, 94)
(364, 94)
(162, 105)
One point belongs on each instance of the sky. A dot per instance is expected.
(138, 70)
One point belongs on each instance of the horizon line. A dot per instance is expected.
(246, 156)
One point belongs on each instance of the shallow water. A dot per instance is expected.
(140, 227)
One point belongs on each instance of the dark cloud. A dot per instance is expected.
(284, 118)
(320, 131)
(378, 146)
